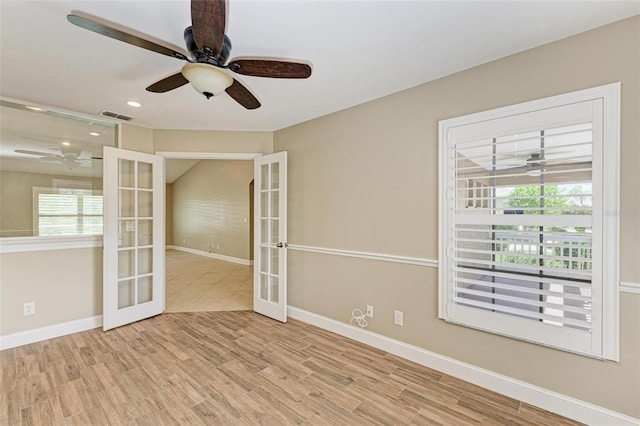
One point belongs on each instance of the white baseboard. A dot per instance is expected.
(39, 334)
(212, 255)
(552, 401)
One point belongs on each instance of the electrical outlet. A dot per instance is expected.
(29, 308)
(398, 318)
(370, 311)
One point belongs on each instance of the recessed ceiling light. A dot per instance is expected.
(94, 133)
(65, 143)
(32, 108)
(134, 104)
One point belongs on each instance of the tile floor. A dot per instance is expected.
(197, 283)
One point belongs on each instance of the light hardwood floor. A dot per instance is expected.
(235, 368)
(197, 283)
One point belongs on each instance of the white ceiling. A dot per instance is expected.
(359, 50)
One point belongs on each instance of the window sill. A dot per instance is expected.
(29, 244)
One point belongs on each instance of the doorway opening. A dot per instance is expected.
(209, 232)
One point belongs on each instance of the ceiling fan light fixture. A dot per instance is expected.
(535, 164)
(207, 79)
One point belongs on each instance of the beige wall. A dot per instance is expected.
(16, 199)
(136, 138)
(212, 141)
(366, 179)
(211, 208)
(65, 285)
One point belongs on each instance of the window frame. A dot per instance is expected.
(38, 190)
(607, 214)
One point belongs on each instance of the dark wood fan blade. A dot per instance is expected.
(169, 83)
(106, 29)
(208, 22)
(242, 95)
(270, 68)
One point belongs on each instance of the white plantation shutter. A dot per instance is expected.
(522, 230)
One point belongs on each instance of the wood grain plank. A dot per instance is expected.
(34, 388)
(543, 416)
(274, 407)
(75, 397)
(119, 403)
(41, 413)
(336, 395)
(208, 412)
(93, 416)
(493, 413)
(63, 372)
(481, 394)
(7, 358)
(440, 408)
(10, 408)
(328, 373)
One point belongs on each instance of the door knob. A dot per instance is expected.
(280, 245)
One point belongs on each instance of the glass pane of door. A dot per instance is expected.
(135, 270)
(269, 238)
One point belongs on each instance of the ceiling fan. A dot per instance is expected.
(209, 49)
(537, 163)
(69, 156)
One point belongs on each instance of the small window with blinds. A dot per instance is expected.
(66, 211)
(527, 247)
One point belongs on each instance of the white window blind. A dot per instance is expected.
(65, 211)
(522, 227)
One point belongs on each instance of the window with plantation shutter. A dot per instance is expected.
(528, 221)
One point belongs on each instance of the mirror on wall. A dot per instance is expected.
(50, 171)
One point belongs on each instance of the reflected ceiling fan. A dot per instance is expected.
(69, 156)
(536, 163)
(522, 160)
(209, 49)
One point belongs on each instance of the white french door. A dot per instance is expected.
(270, 258)
(133, 265)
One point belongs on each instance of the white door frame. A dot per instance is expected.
(210, 155)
